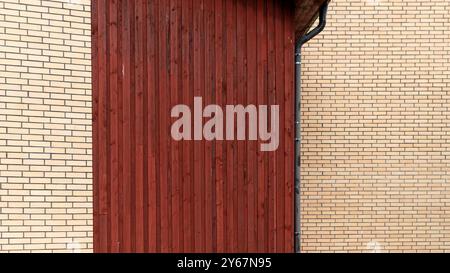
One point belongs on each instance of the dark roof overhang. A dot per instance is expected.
(306, 12)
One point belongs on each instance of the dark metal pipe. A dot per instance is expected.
(298, 89)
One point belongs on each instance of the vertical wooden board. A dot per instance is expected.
(240, 99)
(135, 166)
(102, 130)
(139, 126)
(252, 146)
(158, 122)
(186, 48)
(229, 174)
(289, 120)
(120, 94)
(235, 144)
(261, 98)
(198, 171)
(271, 69)
(202, 93)
(152, 118)
(179, 214)
(191, 105)
(126, 129)
(174, 146)
(113, 127)
(210, 90)
(146, 124)
(179, 91)
(164, 15)
(279, 97)
(219, 145)
(95, 125)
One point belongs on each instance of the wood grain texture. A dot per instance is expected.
(154, 194)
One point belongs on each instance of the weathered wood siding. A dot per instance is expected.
(153, 194)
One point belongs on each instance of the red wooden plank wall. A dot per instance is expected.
(154, 194)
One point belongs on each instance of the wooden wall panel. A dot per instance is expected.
(154, 194)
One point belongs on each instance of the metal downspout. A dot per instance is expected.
(298, 88)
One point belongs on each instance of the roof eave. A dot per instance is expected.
(306, 12)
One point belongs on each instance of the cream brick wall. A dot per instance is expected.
(45, 126)
(376, 129)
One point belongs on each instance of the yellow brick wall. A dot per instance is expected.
(376, 129)
(45, 126)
